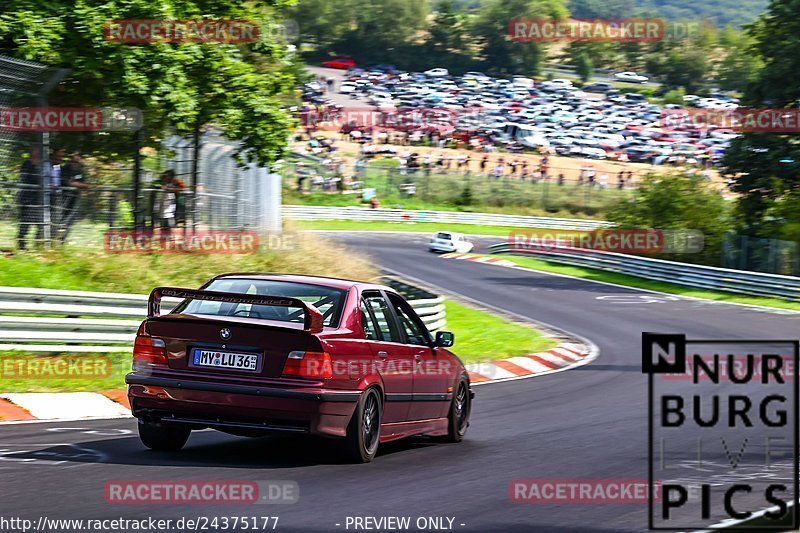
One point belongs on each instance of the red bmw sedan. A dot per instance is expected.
(251, 354)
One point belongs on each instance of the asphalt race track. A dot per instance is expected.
(585, 423)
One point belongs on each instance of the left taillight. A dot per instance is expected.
(147, 349)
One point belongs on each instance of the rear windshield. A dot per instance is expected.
(443, 236)
(329, 301)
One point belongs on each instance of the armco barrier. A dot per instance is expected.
(302, 212)
(77, 319)
(698, 276)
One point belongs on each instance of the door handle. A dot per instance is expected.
(383, 354)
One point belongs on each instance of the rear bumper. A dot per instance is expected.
(309, 410)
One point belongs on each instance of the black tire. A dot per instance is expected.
(163, 437)
(364, 429)
(458, 418)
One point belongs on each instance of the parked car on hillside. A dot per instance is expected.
(343, 63)
(631, 77)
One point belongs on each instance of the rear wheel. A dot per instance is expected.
(458, 419)
(364, 430)
(163, 437)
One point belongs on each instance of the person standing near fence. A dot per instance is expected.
(73, 177)
(544, 165)
(28, 199)
(499, 169)
(52, 170)
(167, 204)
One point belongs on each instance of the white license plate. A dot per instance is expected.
(232, 360)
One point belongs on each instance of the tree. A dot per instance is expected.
(765, 165)
(501, 55)
(583, 67)
(677, 202)
(681, 67)
(740, 66)
(379, 30)
(448, 42)
(592, 9)
(323, 22)
(179, 86)
(446, 33)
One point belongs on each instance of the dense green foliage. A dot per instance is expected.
(767, 165)
(677, 202)
(464, 36)
(183, 87)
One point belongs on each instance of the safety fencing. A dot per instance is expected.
(47, 320)
(697, 276)
(301, 212)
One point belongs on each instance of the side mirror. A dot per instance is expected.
(444, 339)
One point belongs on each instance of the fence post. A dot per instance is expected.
(743, 253)
(44, 184)
(545, 186)
(137, 175)
(195, 167)
(587, 197)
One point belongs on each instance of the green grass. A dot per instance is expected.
(632, 281)
(507, 338)
(12, 380)
(72, 268)
(424, 227)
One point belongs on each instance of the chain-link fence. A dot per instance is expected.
(218, 193)
(29, 202)
(472, 190)
(761, 255)
(49, 197)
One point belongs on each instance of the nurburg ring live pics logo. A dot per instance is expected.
(722, 433)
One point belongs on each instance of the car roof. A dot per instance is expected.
(334, 283)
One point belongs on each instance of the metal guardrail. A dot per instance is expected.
(687, 274)
(77, 321)
(302, 212)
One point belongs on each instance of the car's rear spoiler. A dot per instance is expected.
(312, 319)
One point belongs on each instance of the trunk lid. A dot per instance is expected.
(229, 346)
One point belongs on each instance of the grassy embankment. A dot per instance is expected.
(97, 271)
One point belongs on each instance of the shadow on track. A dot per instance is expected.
(214, 449)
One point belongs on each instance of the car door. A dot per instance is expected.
(432, 372)
(391, 358)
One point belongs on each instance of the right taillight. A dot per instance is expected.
(310, 365)
(150, 350)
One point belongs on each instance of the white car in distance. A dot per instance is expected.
(437, 72)
(630, 77)
(447, 241)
